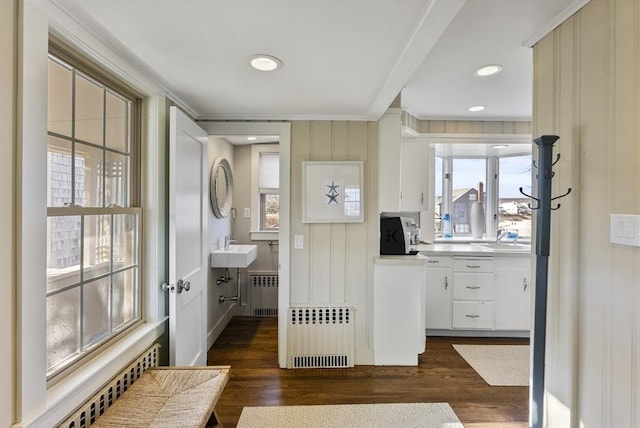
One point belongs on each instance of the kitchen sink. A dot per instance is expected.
(236, 256)
(505, 247)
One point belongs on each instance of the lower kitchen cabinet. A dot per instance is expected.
(438, 293)
(512, 293)
(478, 294)
(398, 310)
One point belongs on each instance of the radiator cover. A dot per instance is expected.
(93, 408)
(263, 294)
(320, 337)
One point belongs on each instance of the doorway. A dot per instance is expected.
(283, 131)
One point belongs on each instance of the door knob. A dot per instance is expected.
(183, 285)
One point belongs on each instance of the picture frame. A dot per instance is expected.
(332, 192)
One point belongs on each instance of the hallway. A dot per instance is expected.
(249, 346)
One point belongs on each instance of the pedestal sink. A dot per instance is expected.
(236, 256)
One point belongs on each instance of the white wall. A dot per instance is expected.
(36, 403)
(219, 313)
(335, 267)
(587, 91)
(8, 85)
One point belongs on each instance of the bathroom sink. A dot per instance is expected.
(505, 247)
(236, 256)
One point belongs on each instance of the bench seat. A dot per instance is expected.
(168, 397)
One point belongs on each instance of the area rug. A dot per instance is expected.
(416, 415)
(498, 365)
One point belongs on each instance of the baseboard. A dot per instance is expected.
(217, 328)
(364, 357)
(478, 333)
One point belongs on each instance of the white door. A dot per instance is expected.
(187, 241)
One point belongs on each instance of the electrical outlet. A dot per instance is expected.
(247, 212)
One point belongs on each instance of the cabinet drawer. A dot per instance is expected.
(472, 286)
(484, 264)
(437, 261)
(472, 315)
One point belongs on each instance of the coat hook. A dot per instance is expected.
(530, 197)
(557, 159)
(535, 165)
(561, 196)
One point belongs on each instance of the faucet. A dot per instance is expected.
(508, 234)
(227, 241)
(499, 235)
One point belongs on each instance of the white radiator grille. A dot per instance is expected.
(321, 337)
(264, 294)
(95, 407)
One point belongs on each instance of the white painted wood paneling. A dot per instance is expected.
(334, 267)
(587, 91)
(8, 116)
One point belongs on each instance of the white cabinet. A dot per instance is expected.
(472, 293)
(438, 292)
(471, 315)
(398, 310)
(512, 293)
(414, 179)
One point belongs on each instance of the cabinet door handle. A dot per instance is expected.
(421, 198)
(446, 282)
(433, 261)
(472, 287)
(473, 266)
(472, 316)
(524, 284)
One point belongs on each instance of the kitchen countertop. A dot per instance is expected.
(465, 249)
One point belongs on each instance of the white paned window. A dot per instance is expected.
(93, 221)
(457, 179)
(269, 183)
(265, 204)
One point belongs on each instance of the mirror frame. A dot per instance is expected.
(221, 209)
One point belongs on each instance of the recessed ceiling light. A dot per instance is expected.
(499, 146)
(476, 108)
(252, 138)
(488, 70)
(265, 62)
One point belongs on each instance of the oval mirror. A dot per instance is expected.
(221, 187)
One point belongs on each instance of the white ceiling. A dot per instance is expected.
(343, 59)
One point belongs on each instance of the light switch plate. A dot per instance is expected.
(298, 242)
(247, 212)
(625, 229)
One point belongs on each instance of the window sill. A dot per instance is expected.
(264, 235)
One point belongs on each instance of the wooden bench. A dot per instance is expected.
(168, 397)
(145, 395)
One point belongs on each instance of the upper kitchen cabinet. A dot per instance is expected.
(415, 176)
(389, 160)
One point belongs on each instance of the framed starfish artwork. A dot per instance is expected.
(332, 192)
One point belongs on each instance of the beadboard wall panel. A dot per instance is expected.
(587, 91)
(335, 265)
(465, 126)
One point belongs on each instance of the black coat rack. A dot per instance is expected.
(543, 231)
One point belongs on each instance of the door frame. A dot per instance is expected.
(283, 130)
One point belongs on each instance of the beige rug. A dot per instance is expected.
(498, 365)
(416, 415)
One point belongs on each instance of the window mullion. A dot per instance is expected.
(82, 255)
(73, 138)
(491, 204)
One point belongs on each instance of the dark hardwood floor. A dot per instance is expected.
(249, 346)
